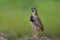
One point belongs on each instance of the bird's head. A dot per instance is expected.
(34, 10)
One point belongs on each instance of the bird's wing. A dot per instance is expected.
(39, 23)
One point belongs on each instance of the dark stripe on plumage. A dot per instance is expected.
(31, 18)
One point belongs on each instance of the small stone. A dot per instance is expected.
(44, 38)
(2, 36)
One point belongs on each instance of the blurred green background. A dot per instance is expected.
(15, 15)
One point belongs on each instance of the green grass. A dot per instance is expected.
(15, 14)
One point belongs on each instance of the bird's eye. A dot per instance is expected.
(32, 10)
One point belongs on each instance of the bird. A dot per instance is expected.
(36, 22)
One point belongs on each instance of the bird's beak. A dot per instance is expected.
(32, 9)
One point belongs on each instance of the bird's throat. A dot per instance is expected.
(34, 14)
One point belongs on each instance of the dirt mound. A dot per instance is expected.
(25, 38)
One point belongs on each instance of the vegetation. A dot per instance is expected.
(15, 15)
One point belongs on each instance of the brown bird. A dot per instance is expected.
(36, 22)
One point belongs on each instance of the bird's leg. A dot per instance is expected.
(35, 36)
(40, 33)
